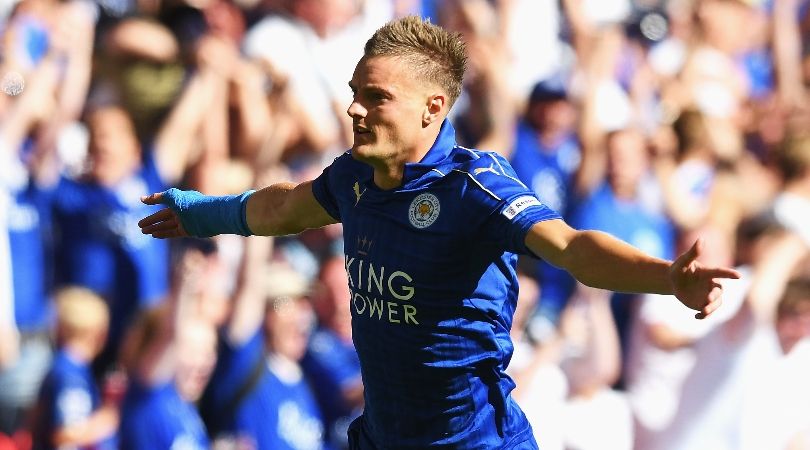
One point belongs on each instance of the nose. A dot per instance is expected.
(356, 110)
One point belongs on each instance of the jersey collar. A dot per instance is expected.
(415, 173)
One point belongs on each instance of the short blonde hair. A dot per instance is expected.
(794, 155)
(796, 298)
(79, 311)
(433, 53)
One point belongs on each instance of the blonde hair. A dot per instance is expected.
(433, 53)
(80, 311)
(796, 298)
(794, 155)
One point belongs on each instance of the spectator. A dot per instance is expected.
(791, 206)
(736, 353)
(169, 355)
(50, 44)
(95, 212)
(662, 352)
(777, 416)
(541, 387)
(546, 158)
(71, 412)
(331, 364)
(566, 383)
(318, 37)
(616, 207)
(258, 395)
(28, 179)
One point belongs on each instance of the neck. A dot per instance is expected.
(389, 172)
(80, 351)
(389, 177)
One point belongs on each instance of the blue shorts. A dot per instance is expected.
(359, 440)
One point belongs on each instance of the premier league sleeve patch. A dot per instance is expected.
(424, 210)
(519, 204)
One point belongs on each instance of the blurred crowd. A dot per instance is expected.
(662, 122)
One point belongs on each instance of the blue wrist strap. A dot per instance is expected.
(206, 216)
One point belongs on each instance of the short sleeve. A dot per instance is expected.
(511, 207)
(322, 190)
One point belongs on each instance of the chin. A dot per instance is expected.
(362, 152)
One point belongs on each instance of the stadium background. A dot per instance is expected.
(656, 121)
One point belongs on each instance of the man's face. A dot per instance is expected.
(792, 328)
(114, 151)
(388, 109)
(288, 324)
(196, 357)
(627, 159)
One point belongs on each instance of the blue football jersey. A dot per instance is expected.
(29, 227)
(431, 268)
(157, 418)
(68, 396)
(101, 247)
(277, 413)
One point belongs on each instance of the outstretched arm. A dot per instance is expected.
(279, 209)
(599, 260)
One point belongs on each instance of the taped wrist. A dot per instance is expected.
(206, 216)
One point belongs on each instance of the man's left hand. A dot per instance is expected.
(696, 285)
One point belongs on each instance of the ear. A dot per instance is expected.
(435, 109)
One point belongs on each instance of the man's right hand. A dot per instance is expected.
(166, 222)
(191, 213)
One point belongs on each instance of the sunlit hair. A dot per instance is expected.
(432, 53)
(794, 155)
(692, 132)
(796, 298)
(80, 311)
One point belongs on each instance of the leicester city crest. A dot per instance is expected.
(424, 210)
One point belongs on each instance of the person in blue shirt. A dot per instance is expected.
(546, 156)
(331, 363)
(95, 213)
(169, 354)
(431, 234)
(616, 206)
(71, 412)
(258, 397)
(27, 175)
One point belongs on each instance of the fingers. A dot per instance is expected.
(715, 301)
(160, 216)
(690, 255)
(163, 224)
(173, 233)
(166, 225)
(709, 309)
(723, 272)
(153, 199)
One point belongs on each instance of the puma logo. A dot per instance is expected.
(357, 192)
(481, 170)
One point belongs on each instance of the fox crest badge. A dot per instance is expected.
(424, 210)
